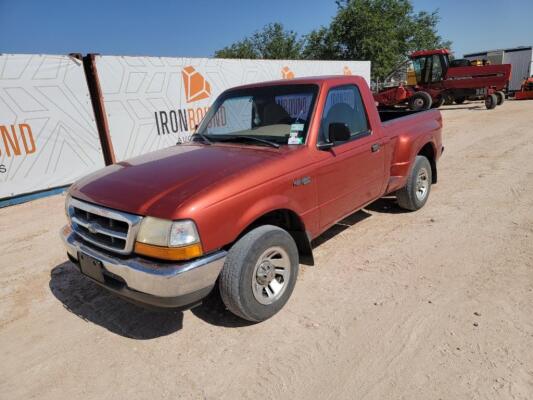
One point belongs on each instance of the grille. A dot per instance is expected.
(103, 227)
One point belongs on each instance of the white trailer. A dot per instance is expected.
(521, 59)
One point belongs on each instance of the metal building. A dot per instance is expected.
(521, 58)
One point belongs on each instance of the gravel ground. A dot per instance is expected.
(436, 304)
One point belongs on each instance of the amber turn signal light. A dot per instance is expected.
(169, 253)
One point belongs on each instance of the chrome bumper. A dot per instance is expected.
(148, 281)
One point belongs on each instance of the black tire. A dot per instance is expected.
(237, 279)
(491, 101)
(500, 98)
(420, 101)
(441, 100)
(459, 100)
(409, 197)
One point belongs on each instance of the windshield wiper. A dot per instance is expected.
(204, 138)
(236, 138)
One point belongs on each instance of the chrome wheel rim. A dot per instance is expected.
(422, 184)
(271, 275)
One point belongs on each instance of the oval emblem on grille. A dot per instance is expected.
(93, 228)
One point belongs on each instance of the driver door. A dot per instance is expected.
(351, 173)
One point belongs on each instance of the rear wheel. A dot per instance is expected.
(490, 101)
(420, 101)
(500, 98)
(439, 102)
(259, 273)
(415, 193)
(460, 100)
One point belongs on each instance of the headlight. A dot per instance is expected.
(162, 232)
(169, 240)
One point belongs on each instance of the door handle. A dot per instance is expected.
(374, 147)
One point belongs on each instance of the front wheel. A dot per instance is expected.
(415, 193)
(420, 101)
(259, 273)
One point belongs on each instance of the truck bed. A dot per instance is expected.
(387, 115)
(409, 132)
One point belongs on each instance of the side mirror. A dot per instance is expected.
(338, 132)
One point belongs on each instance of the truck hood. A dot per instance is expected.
(157, 183)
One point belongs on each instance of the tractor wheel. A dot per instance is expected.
(501, 98)
(420, 101)
(460, 100)
(490, 101)
(439, 102)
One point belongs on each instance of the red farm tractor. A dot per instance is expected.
(429, 79)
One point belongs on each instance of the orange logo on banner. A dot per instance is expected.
(13, 138)
(196, 87)
(286, 73)
(346, 70)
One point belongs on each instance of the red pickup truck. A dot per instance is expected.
(271, 167)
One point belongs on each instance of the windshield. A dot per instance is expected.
(280, 114)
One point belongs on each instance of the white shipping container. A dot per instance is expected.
(521, 62)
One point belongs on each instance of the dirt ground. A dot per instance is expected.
(436, 304)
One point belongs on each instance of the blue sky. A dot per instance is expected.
(199, 27)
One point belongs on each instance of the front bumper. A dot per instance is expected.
(160, 284)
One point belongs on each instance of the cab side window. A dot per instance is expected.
(344, 105)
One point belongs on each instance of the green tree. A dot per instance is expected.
(272, 42)
(320, 44)
(382, 31)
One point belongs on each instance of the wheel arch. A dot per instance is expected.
(290, 221)
(428, 151)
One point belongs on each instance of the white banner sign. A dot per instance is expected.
(153, 102)
(48, 136)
